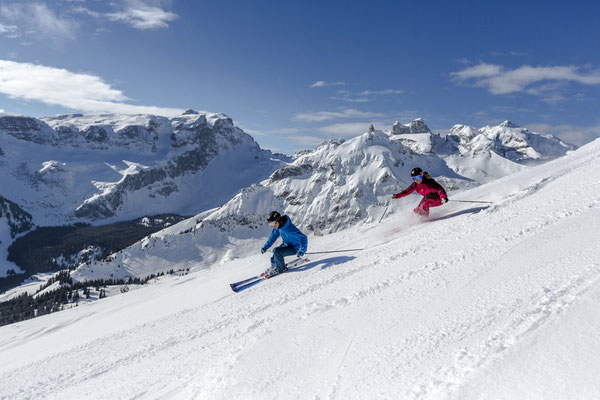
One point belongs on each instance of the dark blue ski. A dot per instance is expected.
(239, 288)
(240, 283)
(246, 283)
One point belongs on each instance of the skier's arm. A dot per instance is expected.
(406, 191)
(272, 239)
(443, 193)
(439, 189)
(303, 244)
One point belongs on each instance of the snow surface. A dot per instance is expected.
(497, 302)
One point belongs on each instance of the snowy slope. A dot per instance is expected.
(497, 302)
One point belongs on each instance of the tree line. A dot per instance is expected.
(66, 295)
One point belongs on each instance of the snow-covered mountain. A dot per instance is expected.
(103, 168)
(472, 303)
(340, 184)
(113, 167)
(482, 154)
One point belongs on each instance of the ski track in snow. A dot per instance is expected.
(425, 306)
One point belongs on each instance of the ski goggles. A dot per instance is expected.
(272, 223)
(416, 178)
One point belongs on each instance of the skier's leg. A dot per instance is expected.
(430, 201)
(278, 254)
(420, 210)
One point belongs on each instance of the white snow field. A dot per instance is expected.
(500, 302)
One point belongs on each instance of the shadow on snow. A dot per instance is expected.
(325, 263)
(473, 210)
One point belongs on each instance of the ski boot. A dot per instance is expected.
(271, 272)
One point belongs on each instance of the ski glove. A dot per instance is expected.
(300, 253)
(263, 250)
(444, 200)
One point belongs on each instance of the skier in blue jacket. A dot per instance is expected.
(294, 242)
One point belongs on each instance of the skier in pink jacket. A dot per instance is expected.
(434, 194)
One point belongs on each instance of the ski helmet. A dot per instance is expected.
(273, 216)
(416, 171)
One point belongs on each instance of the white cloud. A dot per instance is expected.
(345, 130)
(500, 81)
(37, 19)
(328, 115)
(351, 100)
(478, 71)
(141, 15)
(280, 131)
(326, 84)
(86, 11)
(55, 86)
(381, 92)
(10, 31)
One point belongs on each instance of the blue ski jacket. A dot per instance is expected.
(290, 235)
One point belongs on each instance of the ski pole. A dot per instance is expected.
(469, 201)
(384, 211)
(334, 251)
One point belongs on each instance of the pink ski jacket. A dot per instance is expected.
(426, 187)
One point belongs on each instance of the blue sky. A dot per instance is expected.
(295, 73)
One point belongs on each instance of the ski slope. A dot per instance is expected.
(476, 302)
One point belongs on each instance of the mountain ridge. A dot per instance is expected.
(75, 173)
(338, 185)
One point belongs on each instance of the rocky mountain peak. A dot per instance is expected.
(509, 124)
(417, 126)
(25, 128)
(112, 166)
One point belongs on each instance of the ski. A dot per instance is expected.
(246, 283)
